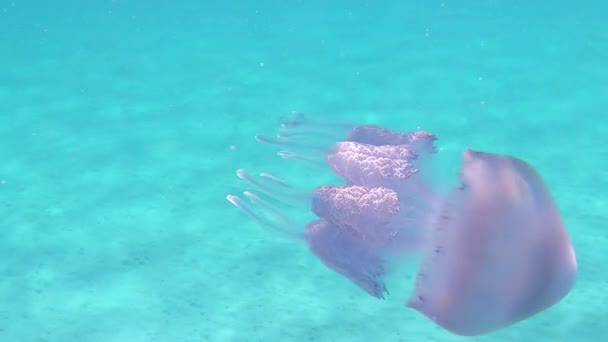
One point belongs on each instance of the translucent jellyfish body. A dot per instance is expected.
(493, 249)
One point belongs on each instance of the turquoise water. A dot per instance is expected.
(122, 122)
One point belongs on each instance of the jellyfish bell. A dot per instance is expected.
(499, 252)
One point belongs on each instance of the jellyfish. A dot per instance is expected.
(493, 248)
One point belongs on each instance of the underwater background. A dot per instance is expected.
(122, 123)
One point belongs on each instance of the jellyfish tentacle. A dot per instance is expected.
(290, 142)
(268, 185)
(279, 224)
(277, 180)
(300, 120)
(311, 152)
(305, 139)
(272, 208)
(317, 161)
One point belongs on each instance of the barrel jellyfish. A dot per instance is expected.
(493, 249)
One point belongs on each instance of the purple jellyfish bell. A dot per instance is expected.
(494, 249)
(499, 253)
